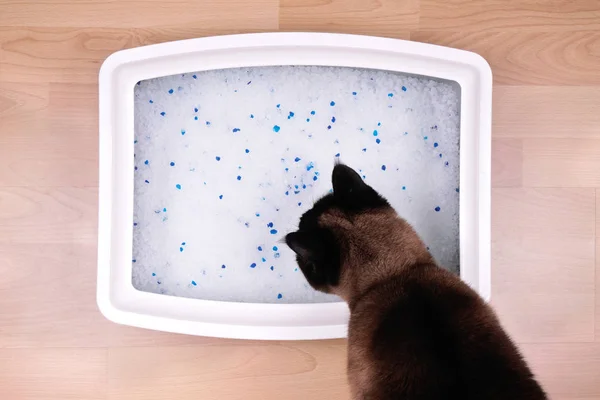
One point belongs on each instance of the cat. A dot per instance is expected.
(416, 331)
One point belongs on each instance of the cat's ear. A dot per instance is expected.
(301, 244)
(346, 181)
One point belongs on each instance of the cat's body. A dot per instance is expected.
(416, 331)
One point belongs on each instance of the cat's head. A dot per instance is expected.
(343, 241)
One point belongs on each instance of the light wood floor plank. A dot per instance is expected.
(543, 263)
(211, 14)
(53, 374)
(546, 112)
(507, 162)
(561, 162)
(389, 18)
(530, 58)
(566, 370)
(48, 215)
(74, 55)
(294, 370)
(512, 15)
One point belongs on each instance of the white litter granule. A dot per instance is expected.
(227, 161)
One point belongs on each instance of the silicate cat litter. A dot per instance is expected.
(226, 161)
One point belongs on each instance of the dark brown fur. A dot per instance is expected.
(416, 330)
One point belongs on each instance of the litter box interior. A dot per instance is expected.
(226, 162)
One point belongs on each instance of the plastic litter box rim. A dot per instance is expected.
(120, 302)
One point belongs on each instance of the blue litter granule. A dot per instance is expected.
(313, 112)
(172, 164)
(236, 130)
(253, 265)
(279, 296)
(437, 209)
(377, 140)
(276, 128)
(332, 103)
(194, 283)
(273, 231)
(178, 186)
(383, 167)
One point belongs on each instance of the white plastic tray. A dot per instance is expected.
(120, 302)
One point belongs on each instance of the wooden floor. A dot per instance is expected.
(54, 344)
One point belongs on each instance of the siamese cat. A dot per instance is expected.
(416, 331)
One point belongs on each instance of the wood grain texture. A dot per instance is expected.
(211, 14)
(48, 215)
(74, 55)
(546, 112)
(389, 18)
(237, 371)
(543, 265)
(529, 58)
(567, 370)
(53, 374)
(509, 15)
(597, 277)
(54, 344)
(507, 162)
(561, 162)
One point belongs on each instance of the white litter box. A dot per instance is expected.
(211, 149)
